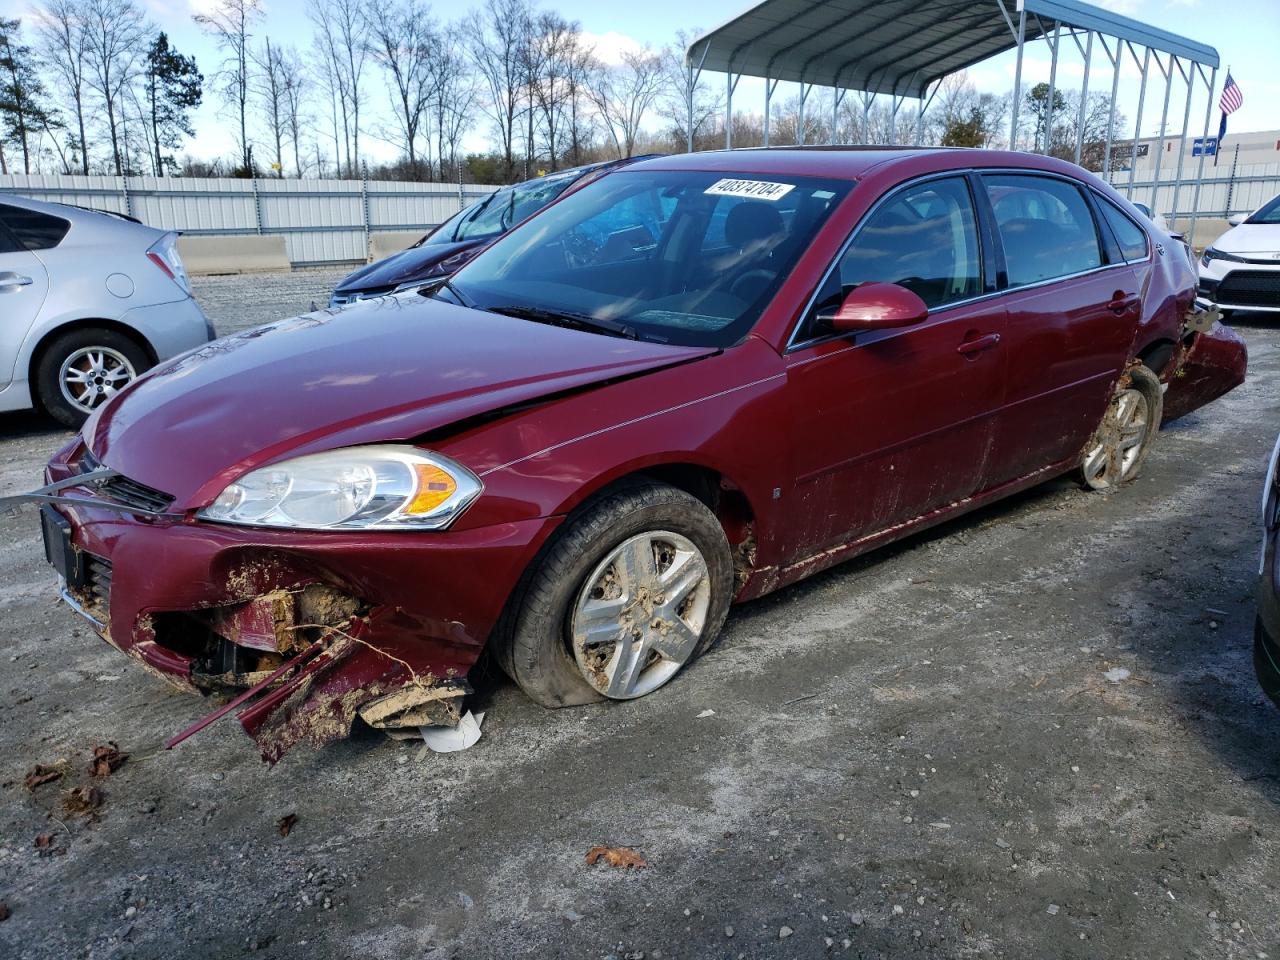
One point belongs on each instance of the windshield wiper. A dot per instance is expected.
(562, 318)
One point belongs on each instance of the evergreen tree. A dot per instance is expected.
(174, 87)
(22, 113)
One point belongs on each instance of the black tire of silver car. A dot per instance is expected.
(632, 588)
(81, 369)
(1117, 449)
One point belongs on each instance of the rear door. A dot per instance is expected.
(889, 425)
(24, 283)
(1072, 316)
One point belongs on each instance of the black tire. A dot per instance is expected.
(48, 389)
(533, 644)
(1121, 469)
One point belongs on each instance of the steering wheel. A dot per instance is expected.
(757, 273)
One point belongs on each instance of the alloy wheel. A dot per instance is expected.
(1117, 446)
(640, 614)
(91, 376)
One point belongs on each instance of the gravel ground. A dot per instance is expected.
(914, 754)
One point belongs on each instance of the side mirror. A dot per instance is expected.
(876, 306)
(1236, 219)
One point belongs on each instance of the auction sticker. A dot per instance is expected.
(756, 189)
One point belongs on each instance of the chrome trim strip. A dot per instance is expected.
(75, 605)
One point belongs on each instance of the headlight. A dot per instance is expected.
(363, 488)
(1211, 254)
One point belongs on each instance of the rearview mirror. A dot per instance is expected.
(1236, 219)
(876, 306)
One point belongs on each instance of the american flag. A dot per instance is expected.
(1232, 98)
(1228, 103)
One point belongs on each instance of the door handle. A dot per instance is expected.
(13, 280)
(1121, 303)
(978, 344)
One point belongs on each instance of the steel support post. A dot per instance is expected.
(804, 95)
(730, 84)
(695, 74)
(1189, 75)
(837, 98)
(1137, 123)
(768, 96)
(1084, 98)
(1164, 121)
(1111, 110)
(866, 116)
(1053, 87)
(1017, 75)
(1208, 112)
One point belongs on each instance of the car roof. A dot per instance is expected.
(851, 162)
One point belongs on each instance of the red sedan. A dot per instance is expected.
(692, 382)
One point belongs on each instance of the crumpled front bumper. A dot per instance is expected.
(1206, 366)
(418, 608)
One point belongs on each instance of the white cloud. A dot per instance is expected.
(609, 47)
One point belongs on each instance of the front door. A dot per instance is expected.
(889, 425)
(24, 284)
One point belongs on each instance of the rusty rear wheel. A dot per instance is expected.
(1115, 453)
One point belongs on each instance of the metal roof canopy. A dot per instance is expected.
(902, 47)
(899, 47)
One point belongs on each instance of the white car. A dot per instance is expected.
(88, 301)
(1154, 216)
(1241, 270)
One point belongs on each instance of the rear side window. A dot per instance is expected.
(1131, 237)
(34, 230)
(1045, 225)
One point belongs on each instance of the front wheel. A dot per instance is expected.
(82, 369)
(1128, 429)
(631, 590)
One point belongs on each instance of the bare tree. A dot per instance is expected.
(557, 42)
(683, 85)
(269, 85)
(295, 95)
(116, 34)
(230, 24)
(624, 94)
(404, 45)
(64, 49)
(498, 49)
(344, 39)
(452, 96)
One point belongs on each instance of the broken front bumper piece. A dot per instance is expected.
(306, 631)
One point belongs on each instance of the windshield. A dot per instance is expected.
(678, 257)
(445, 232)
(507, 207)
(1269, 213)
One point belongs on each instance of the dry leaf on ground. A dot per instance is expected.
(107, 758)
(4, 911)
(45, 841)
(41, 774)
(81, 801)
(285, 823)
(623, 857)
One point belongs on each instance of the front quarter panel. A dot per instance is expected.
(722, 412)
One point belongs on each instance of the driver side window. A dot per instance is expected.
(923, 238)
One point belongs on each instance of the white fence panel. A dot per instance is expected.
(322, 221)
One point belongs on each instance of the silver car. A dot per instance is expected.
(88, 301)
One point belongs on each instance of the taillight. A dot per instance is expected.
(164, 254)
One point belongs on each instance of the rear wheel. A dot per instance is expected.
(80, 370)
(633, 589)
(1122, 441)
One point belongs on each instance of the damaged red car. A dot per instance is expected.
(692, 382)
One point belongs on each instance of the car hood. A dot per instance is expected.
(416, 263)
(384, 370)
(1261, 238)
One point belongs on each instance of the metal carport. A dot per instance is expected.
(903, 48)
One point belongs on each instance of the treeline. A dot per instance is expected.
(93, 86)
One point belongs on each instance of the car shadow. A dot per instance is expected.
(28, 423)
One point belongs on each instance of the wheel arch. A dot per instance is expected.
(85, 323)
(731, 502)
(1157, 355)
